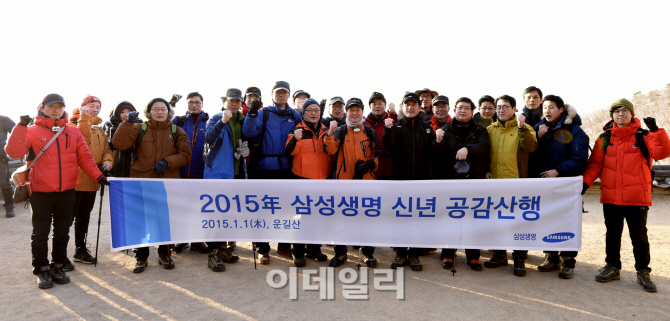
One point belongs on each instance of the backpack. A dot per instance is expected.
(143, 131)
(639, 142)
(369, 132)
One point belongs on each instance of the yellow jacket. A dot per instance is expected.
(99, 146)
(510, 146)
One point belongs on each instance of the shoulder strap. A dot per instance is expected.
(606, 136)
(140, 135)
(45, 147)
(175, 135)
(639, 142)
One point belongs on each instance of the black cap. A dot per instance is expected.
(301, 92)
(411, 96)
(51, 99)
(281, 85)
(376, 95)
(234, 93)
(334, 100)
(354, 102)
(441, 98)
(426, 90)
(253, 91)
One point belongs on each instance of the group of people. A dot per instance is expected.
(483, 140)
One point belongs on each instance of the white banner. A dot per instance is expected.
(524, 214)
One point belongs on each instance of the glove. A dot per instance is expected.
(115, 121)
(175, 98)
(243, 150)
(584, 188)
(362, 168)
(160, 166)
(25, 120)
(651, 124)
(102, 180)
(255, 106)
(132, 117)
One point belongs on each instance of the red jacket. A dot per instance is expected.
(385, 166)
(58, 167)
(435, 124)
(625, 179)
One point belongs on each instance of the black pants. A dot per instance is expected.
(522, 254)
(409, 251)
(555, 257)
(83, 205)
(470, 254)
(5, 185)
(142, 253)
(48, 208)
(636, 218)
(264, 247)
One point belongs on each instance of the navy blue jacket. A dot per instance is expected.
(279, 125)
(6, 126)
(564, 147)
(196, 136)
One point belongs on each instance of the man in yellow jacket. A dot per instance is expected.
(512, 140)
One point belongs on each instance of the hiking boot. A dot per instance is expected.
(370, 261)
(214, 261)
(166, 262)
(548, 265)
(519, 266)
(58, 275)
(644, 279)
(199, 247)
(226, 255)
(338, 260)
(67, 267)
(299, 261)
(475, 265)
(565, 272)
(264, 258)
(415, 264)
(428, 251)
(232, 246)
(9, 210)
(316, 256)
(82, 254)
(499, 258)
(448, 264)
(44, 280)
(398, 261)
(140, 265)
(177, 248)
(608, 273)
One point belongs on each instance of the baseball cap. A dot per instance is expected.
(279, 85)
(51, 99)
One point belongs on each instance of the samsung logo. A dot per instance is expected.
(558, 237)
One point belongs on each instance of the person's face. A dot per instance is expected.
(355, 113)
(250, 99)
(159, 111)
(93, 108)
(337, 110)
(622, 116)
(487, 110)
(299, 100)
(195, 105)
(463, 111)
(124, 114)
(505, 110)
(411, 108)
(533, 100)
(312, 113)
(426, 100)
(280, 97)
(378, 107)
(551, 112)
(53, 111)
(234, 105)
(441, 111)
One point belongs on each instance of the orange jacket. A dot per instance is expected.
(310, 160)
(356, 146)
(436, 125)
(625, 179)
(97, 143)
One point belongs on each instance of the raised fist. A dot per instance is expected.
(298, 134)
(227, 114)
(521, 120)
(439, 134)
(388, 122)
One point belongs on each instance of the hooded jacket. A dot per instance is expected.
(98, 145)
(564, 147)
(220, 160)
(273, 143)
(57, 169)
(6, 125)
(385, 167)
(625, 175)
(310, 158)
(356, 145)
(410, 143)
(196, 137)
(510, 146)
(122, 158)
(477, 143)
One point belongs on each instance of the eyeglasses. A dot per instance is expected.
(159, 110)
(501, 108)
(311, 110)
(195, 103)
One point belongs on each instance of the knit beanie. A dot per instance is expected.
(623, 102)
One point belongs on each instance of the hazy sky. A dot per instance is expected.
(589, 53)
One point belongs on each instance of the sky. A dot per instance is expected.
(588, 52)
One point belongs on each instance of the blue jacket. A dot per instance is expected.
(196, 136)
(273, 143)
(6, 126)
(564, 147)
(220, 159)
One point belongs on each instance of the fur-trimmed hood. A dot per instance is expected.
(147, 109)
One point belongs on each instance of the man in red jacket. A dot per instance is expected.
(53, 179)
(622, 157)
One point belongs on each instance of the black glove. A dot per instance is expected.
(651, 124)
(363, 168)
(160, 166)
(175, 98)
(102, 180)
(584, 188)
(25, 120)
(115, 121)
(255, 106)
(132, 117)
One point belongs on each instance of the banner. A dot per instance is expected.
(524, 214)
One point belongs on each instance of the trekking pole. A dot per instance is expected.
(358, 266)
(253, 248)
(97, 238)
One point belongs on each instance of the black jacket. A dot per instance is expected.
(477, 143)
(410, 143)
(326, 121)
